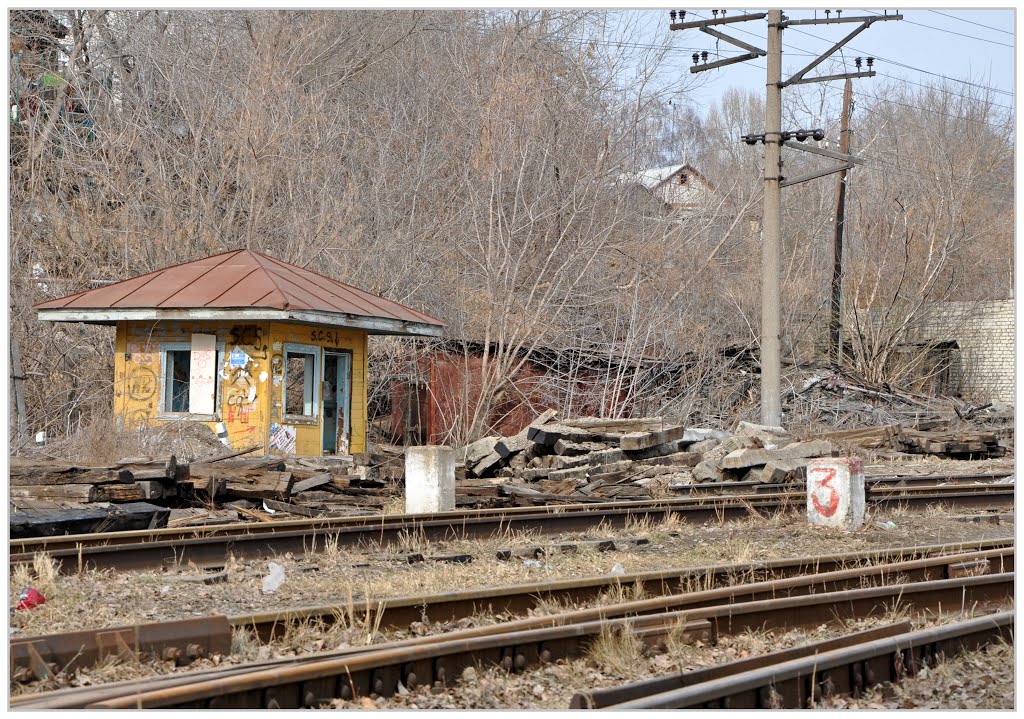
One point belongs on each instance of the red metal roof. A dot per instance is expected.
(240, 279)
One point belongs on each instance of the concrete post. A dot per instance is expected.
(771, 247)
(429, 479)
(835, 492)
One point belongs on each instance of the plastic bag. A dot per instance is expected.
(617, 570)
(275, 579)
(30, 599)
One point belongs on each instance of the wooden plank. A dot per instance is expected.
(119, 493)
(270, 485)
(236, 453)
(27, 476)
(56, 492)
(313, 482)
(294, 508)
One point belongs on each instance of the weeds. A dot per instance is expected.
(617, 649)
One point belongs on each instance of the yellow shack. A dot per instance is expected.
(264, 352)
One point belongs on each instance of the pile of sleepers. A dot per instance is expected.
(594, 459)
(49, 497)
(938, 442)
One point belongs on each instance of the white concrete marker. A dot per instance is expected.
(429, 479)
(835, 492)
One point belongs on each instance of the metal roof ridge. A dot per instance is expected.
(365, 296)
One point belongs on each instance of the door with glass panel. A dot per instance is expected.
(337, 398)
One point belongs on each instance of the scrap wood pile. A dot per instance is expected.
(948, 443)
(844, 400)
(593, 459)
(224, 488)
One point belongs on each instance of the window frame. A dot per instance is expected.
(302, 349)
(162, 411)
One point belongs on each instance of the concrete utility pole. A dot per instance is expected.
(773, 139)
(835, 323)
(771, 245)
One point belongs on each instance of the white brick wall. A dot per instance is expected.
(985, 334)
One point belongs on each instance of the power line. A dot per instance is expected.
(879, 57)
(909, 67)
(972, 22)
(952, 32)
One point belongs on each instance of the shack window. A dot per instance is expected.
(176, 374)
(300, 386)
(189, 382)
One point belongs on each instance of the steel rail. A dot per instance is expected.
(715, 605)
(610, 696)
(769, 578)
(215, 550)
(310, 683)
(373, 521)
(188, 639)
(849, 670)
(39, 544)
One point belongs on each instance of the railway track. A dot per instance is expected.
(793, 679)
(794, 600)
(213, 545)
(519, 646)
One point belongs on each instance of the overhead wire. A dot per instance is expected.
(951, 32)
(879, 57)
(972, 22)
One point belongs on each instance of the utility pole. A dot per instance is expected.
(835, 346)
(771, 244)
(773, 139)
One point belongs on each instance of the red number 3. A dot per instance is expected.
(826, 510)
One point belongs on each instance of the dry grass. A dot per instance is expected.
(102, 442)
(618, 650)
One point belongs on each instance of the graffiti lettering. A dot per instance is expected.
(829, 509)
(141, 383)
(251, 336)
(332, 336)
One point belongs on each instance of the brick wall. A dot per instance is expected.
(985, 334)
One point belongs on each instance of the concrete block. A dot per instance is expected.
(753, 457)
(707, 472)
(835, 492)
(429, 479)
(473, 453)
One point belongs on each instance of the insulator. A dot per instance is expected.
(682, 15)
(672, 14)
(715, 13)
(801, 135)
(871, 61)
(704, 55)
(696, 58)
(839, 13)
(856, 61)
(828, 13)
(818, 135)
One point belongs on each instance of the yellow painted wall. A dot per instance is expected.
(138, 375)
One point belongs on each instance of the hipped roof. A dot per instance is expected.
(240, 285)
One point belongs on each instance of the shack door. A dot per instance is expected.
(337, 397)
